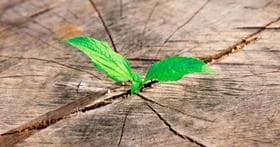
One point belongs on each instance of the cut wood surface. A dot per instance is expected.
(51, 96)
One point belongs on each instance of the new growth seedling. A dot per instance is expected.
(118, 69)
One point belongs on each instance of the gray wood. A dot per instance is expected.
(51, 96)
(38, 72)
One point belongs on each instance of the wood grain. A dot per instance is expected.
(50, 95)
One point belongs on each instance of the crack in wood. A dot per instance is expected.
(73, 14)
(143, 59)
(146, 23)
(51, 61)
(82, 105)
(237, 46)
(179, 111)
(43, 26)
(123, 126)
(20, 76)
(26, 19)
(227, 51)
(41, 40)
(78, 86)
(40, 12)
(181, 26)
(259, 27)
(264, 27)
(104, 24)
(175, 132)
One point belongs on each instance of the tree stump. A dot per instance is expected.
(50, 95)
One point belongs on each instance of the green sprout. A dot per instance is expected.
(118, 69)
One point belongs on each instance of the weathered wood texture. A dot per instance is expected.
(51, 96)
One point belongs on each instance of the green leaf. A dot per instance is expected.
(104, 58)
(136, 84)
(175, 68)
